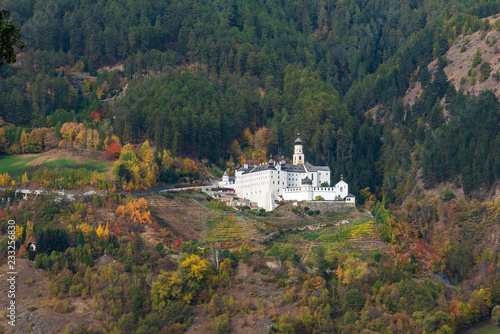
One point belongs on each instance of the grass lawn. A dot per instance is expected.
(66, 163)
(483, 327)
(17, 165)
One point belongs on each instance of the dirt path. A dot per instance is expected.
(309, 249)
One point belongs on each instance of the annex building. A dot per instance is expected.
(275, 181)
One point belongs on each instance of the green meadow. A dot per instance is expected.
(17, 165)
(483, 327)
(66, 163)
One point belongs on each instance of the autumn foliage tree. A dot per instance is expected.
(113, 151)
(32, 142)
(5, 179)
(76, 134)
(178, 242)
(189, 166)
(133, 172)
(195, 267)
(253, 147)
(70, 130)
(167, 160)
(137, 210)
(97, 114)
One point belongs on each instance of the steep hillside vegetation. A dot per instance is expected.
(316, 67)
(225, 82)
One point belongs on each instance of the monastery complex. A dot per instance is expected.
(275, 181)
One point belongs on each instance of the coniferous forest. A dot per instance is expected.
(199, 73)
(191, 87)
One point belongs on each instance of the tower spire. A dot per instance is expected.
(298, 155)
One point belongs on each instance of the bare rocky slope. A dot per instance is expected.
(460, 58)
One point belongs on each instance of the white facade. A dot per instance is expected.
(227, 181)
(268, 184)
(298, 153)
(310, 193)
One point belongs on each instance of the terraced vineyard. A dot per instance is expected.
(182, 216)
(361, 228)
(225, 229)
(358, 238)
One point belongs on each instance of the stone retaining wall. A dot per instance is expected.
(330, 206)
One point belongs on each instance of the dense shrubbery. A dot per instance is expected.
(495, 315)
(69, 178)
(134, 172)
(352, 291)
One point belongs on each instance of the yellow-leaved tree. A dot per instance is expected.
(195, 267)
(85, 228)
(189, 166)
(5, 179)
(134, 173)
(167, 160)
(103, 232)
(256, 149)
(166, 289)
(146, 154)
(24, 142)
(24, 179)
(29, 237)
(19, 233)
(352, 269)
(30, 234)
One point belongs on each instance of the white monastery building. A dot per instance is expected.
(268, 184)
(227, 181)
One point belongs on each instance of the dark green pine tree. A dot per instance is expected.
(80, 239)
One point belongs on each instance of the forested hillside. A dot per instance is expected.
(171, 90)
(199, 73)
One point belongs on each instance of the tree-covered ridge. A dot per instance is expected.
(185, 111)
(347, 39)
(343, 40)
(445, 137)
(312, 66)
(10, 38)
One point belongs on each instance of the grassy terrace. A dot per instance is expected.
(17, 165)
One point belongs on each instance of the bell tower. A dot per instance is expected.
(298, 155)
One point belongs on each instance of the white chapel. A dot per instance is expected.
(268, 184)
